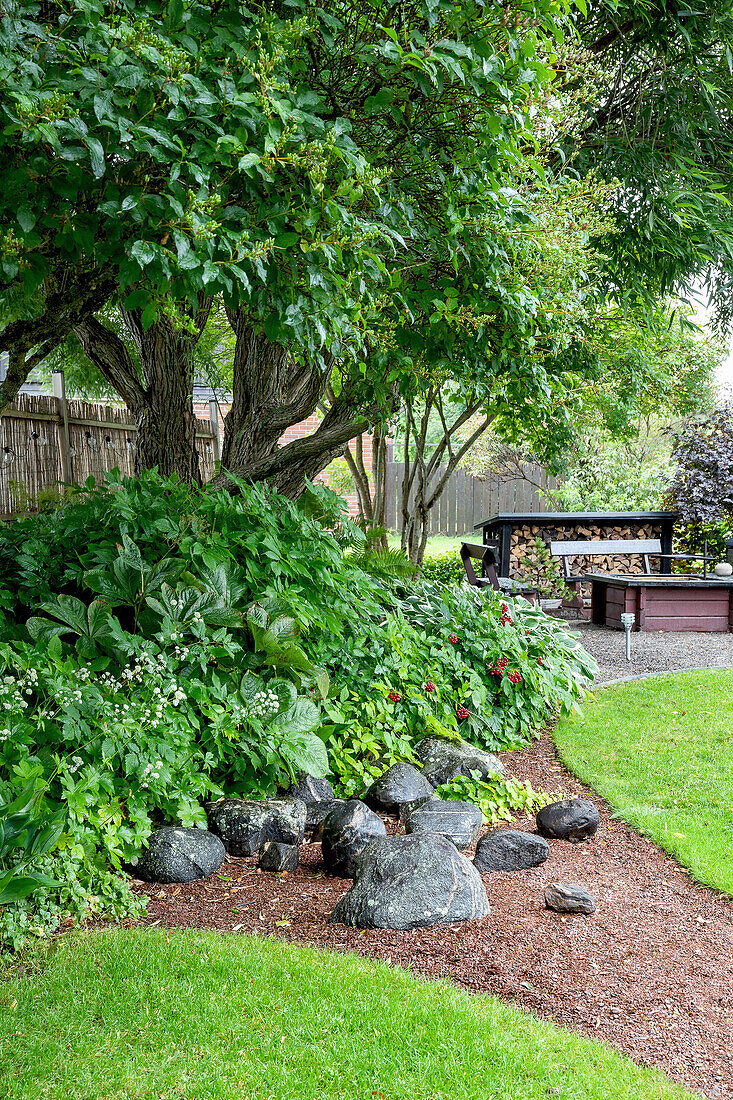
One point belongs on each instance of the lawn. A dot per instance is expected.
(437, 544)
(660, 751)
(204, 1016)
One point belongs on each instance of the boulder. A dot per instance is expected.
(400, 784)
(509, 850)
(347, 830)
(244, 824)
(566, 897)
(443, 760)
(460, 822)
(176, 854)
(316, 812)
(573, 819)
(278, 857)
(412, 882)
(310, 788)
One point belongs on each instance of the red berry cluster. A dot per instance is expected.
(453, 638)
(516, 676)
(505, 616)
(462, 713)
(430, 686)
(499, 666)
(394, 696)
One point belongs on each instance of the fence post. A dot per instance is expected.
(214, 421)
(59, 392)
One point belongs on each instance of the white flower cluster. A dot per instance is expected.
(4, 735)
(12, 690)
(264, 703)
(76, 763)
(151, 771)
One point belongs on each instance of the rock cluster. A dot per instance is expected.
(402, 882)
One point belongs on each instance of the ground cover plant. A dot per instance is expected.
(232, 1016)
(660, 752)
(163, 646)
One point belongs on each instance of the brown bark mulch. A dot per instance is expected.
(651, 972)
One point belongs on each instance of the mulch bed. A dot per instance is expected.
(651, 973)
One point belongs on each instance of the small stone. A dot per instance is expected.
(412, 882)
(347, 830)
(400, 784)
(244, 824)
(311, 789)
(178, 854)
(460, 822)
(572, 819)
(276, 856)
(510, 850)
(443, 760)
(566, 897)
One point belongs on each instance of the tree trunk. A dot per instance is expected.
(424, 481)
(159, 392)
(272, 390)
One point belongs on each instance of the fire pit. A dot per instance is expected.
(662, 602)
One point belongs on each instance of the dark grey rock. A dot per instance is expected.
(311, 789)
(177, 854)
(443, 760)
(566, 897)
(347, 830)
(460, 822)
(400, 784)
(278, 857)
(509, 850)
(412, 882)
(316, 812)
(244, 824)
(573, 819)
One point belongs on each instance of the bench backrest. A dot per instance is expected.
(486, 555)
(593, 548)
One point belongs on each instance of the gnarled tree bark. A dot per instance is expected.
(159, 392)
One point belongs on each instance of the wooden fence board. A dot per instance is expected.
(101, 437)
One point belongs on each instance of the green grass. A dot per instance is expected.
(202, 1016)
(660, 751)
(437, 544)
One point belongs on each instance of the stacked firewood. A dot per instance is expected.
(523, 540)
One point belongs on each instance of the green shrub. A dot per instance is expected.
(164, 646)
(447, 662)
(443, 568)
(499, 799)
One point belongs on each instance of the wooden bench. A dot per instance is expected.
(595, 548)
(487, 555)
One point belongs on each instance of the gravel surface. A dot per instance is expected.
(651, 972)
(652, 651)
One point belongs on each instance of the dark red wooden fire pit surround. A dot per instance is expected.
(662, 602)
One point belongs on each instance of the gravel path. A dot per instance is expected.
(652, 651)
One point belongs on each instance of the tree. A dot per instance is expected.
(661, 127)
(702, 490)
(158, 156)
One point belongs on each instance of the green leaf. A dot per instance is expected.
(306, 753)
(96, 156)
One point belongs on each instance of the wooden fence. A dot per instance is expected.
(466, 500)
(47, 440)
